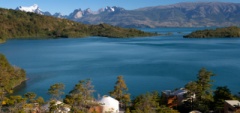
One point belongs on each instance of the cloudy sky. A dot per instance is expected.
(67, 6)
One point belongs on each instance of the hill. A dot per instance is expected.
(19, 24)
(227, 32)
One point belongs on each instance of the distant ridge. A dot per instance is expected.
(190, 14)
(185, 14)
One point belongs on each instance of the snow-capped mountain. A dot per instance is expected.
(75, 15)
(79, 13)
(34, 9)
(111, 9)
(88, 11)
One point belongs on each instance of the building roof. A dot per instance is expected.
(109, 104)
(108, 101)
(64, 106)
(233, 102)
(167, 92)
(194, 111)
(179, 92)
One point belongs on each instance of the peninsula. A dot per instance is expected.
(10, 76)
(19, 24)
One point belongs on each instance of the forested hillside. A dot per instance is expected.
(10, 76)
(18, 24)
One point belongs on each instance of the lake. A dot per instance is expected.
(147, 64)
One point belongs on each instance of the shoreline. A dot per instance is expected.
(19, 86)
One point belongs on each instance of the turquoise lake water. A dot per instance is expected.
(147, 64)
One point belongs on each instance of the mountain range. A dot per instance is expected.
(76, 14)
(187, 14)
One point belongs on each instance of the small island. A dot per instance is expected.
(227, 32)
(22, 25)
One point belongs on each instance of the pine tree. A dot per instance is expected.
(120, 92)
(56, 90)
(146, 103)
(202, 89)
(81, 96)
(220, 95)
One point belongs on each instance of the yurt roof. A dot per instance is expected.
(108, 101)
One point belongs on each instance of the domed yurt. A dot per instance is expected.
(109, 104)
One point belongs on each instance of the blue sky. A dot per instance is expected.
(67, 6)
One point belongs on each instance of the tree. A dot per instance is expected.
(56, 91)
(53, 107)
(202, 89)
(15, 104)
(146, 103)
(164, 109)
(120, 91)
(80, 98)
(220, 95)
(150, 103)
(30, 96)
(40, 100)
